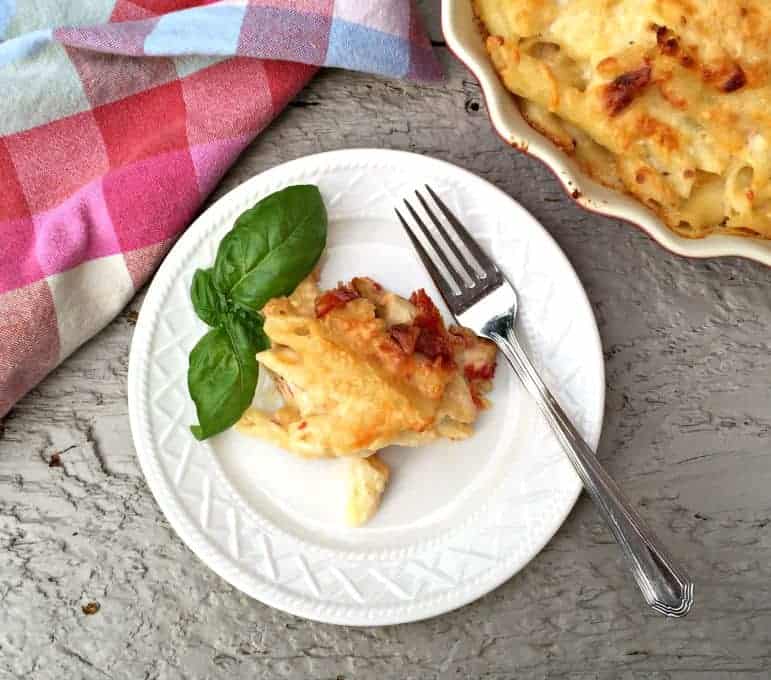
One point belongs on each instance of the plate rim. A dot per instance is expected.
(578, 186)
(200, 544)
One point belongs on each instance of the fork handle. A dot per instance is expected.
(664, 584)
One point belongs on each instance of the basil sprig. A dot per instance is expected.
(271, 248)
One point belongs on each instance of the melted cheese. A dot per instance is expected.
(669, 100)
(355, 378)
(351, 390)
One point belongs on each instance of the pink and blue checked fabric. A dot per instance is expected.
(118, 117)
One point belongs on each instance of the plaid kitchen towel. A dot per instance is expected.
(118, 117)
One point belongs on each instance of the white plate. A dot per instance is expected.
(458, 519)
(465, 40)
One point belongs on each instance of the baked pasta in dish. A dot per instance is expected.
(668, 100)
(359, 369)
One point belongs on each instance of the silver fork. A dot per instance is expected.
(487, 303)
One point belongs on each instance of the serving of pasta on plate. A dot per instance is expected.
(361, 368)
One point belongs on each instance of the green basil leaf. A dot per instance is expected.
(272, 247)
(222, 374)
(253, 322)
(208, 302)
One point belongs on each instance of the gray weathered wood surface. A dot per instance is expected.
(687, 433)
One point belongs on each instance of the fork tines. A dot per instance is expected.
(467, 283)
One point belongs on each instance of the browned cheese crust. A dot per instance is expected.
(666, 100)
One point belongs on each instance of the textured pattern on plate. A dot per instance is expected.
(372, 585)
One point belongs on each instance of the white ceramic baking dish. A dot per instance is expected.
(465, 40)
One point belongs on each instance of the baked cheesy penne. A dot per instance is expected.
(360, 369)
(666, 100)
